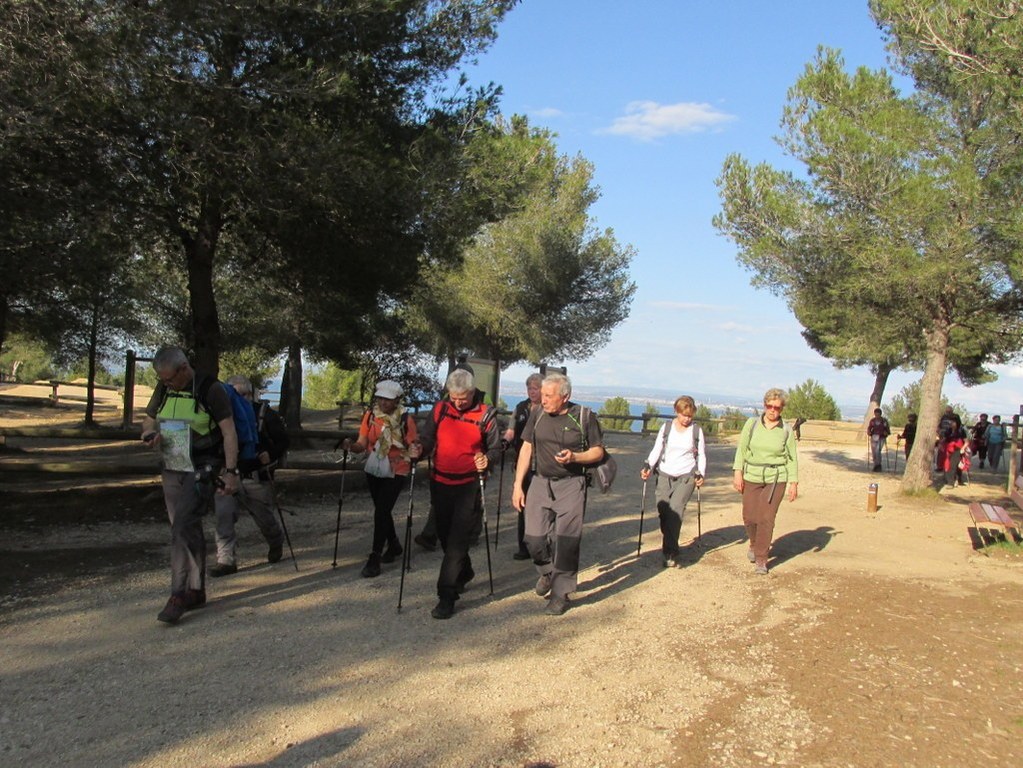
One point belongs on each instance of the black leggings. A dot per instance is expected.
(384, 491)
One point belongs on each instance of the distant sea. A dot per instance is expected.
(638, 398)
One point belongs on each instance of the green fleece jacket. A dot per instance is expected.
(766, 455)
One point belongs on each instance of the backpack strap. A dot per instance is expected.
(666, 432)
(696, 448)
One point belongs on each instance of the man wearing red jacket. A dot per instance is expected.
(463, 436)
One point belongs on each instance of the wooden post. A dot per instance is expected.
(1011, 484)
(127, 414)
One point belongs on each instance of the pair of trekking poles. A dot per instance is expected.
(642, 513)
(406, 555)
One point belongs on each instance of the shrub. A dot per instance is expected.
(811, 401)
(732, 420)
(652, 425)
(704, 416)
(908, 401)
(615, 406)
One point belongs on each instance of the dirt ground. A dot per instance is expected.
(880, 639)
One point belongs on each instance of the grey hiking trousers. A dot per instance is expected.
(554, 529)
(186, 500)
(256, 498)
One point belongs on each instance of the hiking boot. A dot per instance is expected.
(556, 606)
(195, 598)
(750, 556)
(392, 552)
(877, 467)
(467, 575)
(275, 553)
(178, 604)
(761, 569)
(543, 585)
(444, 609)
(372, 566)
(223, 569)
(670, 561)
(429, 543)
(522, 554)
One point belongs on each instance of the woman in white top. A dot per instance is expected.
(679, 460)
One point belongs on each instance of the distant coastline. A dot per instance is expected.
(638, 398)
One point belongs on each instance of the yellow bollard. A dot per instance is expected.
(872, 498)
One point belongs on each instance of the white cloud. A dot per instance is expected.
(732, 327)
(687, 305)
(547, 112)
(647, 120)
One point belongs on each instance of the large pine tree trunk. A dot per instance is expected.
(90, 398)
(3, 320)
(199, 252)
(291, 387)
(921, 458)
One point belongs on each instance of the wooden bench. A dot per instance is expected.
(989, 516)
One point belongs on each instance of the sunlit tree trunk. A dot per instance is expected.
(921, 458)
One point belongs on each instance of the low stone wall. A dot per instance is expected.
(845, 432)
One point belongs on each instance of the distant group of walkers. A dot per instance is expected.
(219, 444)
(954, 444)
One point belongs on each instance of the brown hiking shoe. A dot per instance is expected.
(178, 604)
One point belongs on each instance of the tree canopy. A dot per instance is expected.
(810, 400)
(888, 237)
(294, 130)
(539, 283)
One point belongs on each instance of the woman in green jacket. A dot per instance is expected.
(765, 465)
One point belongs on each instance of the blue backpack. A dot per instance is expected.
(244, 425)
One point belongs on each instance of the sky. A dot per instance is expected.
(656, 94)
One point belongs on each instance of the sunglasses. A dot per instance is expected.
(773, 407)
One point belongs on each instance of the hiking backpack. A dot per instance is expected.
(244, 424)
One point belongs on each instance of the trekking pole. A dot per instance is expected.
(406, 556)
(486, 533)
(340, 502)
(642, 512)
(280, 514)
(699, 512)
(500, 495)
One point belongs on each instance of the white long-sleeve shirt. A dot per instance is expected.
(679, 457)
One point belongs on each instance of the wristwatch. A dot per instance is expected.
(230, 471)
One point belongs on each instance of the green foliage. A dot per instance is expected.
(26, 359)
(80, 370)
(615, 406)
(704, 416)
(811, 401)
(732, 420)
(542, 264)
(251, 363)
(907, 401)
(652, 425)
(324, 388)
(886, 249)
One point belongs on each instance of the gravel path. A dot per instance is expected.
(707, 665)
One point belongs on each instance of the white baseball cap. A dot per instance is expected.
(390, 390)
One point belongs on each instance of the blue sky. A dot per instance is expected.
(656, 93)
